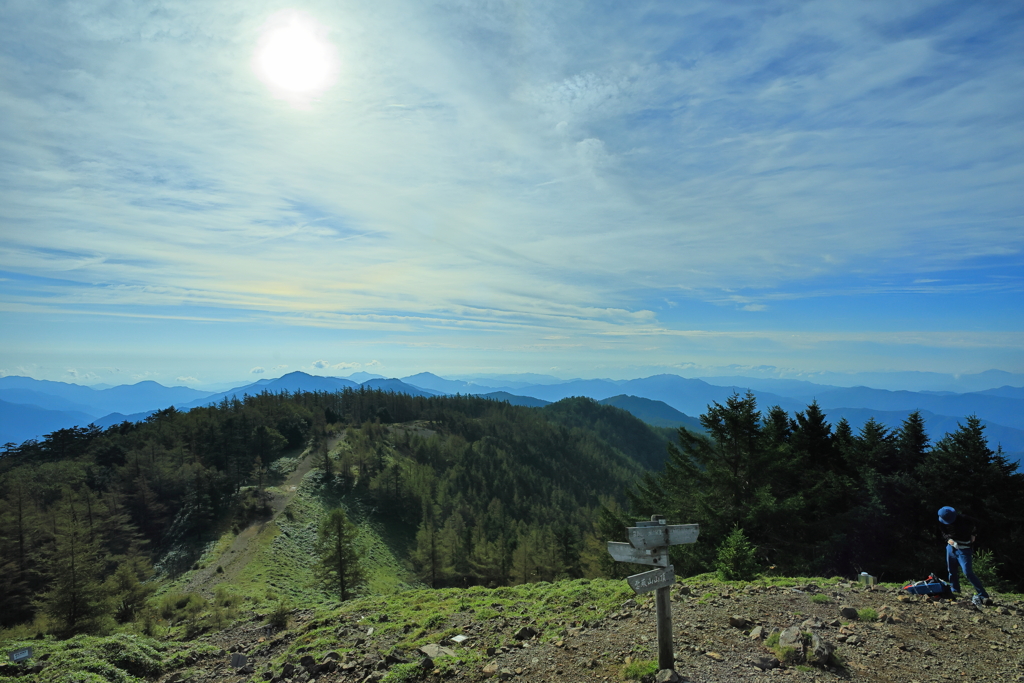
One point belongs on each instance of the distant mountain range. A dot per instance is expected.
(30, 408)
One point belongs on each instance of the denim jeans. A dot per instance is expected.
(962, 558)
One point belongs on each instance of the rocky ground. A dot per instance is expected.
(720, 635)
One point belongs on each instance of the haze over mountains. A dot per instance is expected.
(30, 408)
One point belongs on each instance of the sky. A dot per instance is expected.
(197, 192)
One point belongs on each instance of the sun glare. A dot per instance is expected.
(294, 57)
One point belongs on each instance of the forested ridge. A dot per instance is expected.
(492, 493)
(496, 493)
(801, 497)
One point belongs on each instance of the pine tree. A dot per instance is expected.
(338, 565)
(76, 600)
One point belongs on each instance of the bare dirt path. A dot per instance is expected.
(234, 559)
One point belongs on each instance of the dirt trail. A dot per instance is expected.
(237, 556)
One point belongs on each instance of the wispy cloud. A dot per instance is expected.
(542, 170)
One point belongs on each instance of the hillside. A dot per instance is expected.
(572, 630)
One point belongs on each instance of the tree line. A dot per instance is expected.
(812, 499)
(497, 492)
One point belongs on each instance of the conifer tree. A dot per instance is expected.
(76, 600)
(338, 565)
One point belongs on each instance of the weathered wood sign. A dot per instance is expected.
(651, 537)
(20, 655)
(648, 544)
(624, 552)
(652, 580)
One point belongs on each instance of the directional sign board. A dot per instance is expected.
(652, 580)
(652, 537)
(20, 655)
(624, 552)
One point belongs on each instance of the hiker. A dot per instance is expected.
(959, 530)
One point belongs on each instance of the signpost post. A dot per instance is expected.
(648, 544)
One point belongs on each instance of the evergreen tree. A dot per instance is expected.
(338, 565)
(76, 600)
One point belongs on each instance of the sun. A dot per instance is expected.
(294, 57)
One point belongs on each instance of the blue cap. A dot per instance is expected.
(947, 515)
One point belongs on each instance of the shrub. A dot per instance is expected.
(820, 599)
(279, 617)
(737, 557)
(987, 569)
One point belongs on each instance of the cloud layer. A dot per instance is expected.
(542, 176)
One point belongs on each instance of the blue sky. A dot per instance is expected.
(581, 189)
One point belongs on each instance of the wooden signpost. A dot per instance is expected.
(648, 544)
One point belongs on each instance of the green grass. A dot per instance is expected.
(867, 614)
(634, 671)
(119, 658)
(820, 599)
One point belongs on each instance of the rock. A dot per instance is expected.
(811, 623)
(491, 651)
(246, 670)
(847, 612)
(393, 659)
(792, 638)
(491, 669)
(765, 663)
(307, 661)
(287, 670)
(433, 651)
(332, 655)
(505, 674)
(267, 675)
(757, 633)
(426, 663)
(819, 651)
(667, 676)
(852, 640)
(738, 622)
(715, 656)
(629, 604)
(525, 633)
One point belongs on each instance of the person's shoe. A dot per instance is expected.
(978, 600)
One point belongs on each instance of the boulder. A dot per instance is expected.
(819, 651)
(792, 638)
(491, 669)
(433, 651)
(757, 633)
(667, 676)
(525, 633)
(847, 612)
(765, 663)
(738, 622)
